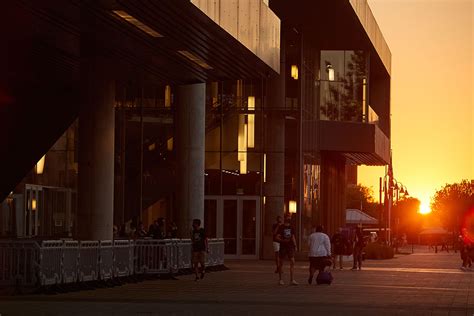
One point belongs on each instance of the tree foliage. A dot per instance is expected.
(362, 198)
(452, 202)
(406, 218)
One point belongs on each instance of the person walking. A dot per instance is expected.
(319, 252)
(358, 244)
(338, 244)
(286, 238)
(276, 244)
(200, 247)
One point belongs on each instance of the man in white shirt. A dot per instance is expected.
(319, 252)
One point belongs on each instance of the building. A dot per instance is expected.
(232, 111)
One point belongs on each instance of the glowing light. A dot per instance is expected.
(425, 208)
(251, 130)
(167, 96)
(137, 23)
(294, 72)
(40, 165)
(330, 70)
(292, 206)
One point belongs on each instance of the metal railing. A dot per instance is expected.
(54, 262)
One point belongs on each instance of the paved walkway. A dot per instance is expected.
(418, 284)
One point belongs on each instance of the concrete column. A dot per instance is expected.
(96, 153)
(274, 187)
(191, 132)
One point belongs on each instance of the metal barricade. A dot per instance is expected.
(173, 254)
(215, 256)
(19, 263)
(106, 259)
(123, 258)
(70, 261)
(50, 262)
(185, 254)
(219, 251)
(88, 263)
(152, 256)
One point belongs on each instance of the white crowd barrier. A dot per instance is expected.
(19, 263)
(50, 262)
(29, 263)
(88, 261)
(106, 260)
(70, 261)
(152, 256)
(123, 258)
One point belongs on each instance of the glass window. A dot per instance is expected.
(343, 80)
(332, 65)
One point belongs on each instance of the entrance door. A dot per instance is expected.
(237, 220)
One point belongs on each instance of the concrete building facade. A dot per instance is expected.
(231, 111)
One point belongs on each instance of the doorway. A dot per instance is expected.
(236, 219)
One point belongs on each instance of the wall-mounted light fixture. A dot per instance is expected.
(330, 70)
(292, 206)
(169, 144)
(40, 165)
(294, 72)
(33, 204)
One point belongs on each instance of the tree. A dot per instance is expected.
(453, 202)
(406, 218)
(361, 197)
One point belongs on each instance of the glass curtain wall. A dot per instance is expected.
(234, 141)
(44, 203)
(311, 157)
(145, 163)
(343, 79)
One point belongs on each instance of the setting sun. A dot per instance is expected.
(425, 208)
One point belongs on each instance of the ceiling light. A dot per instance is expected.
(137, 23)
(194, 59)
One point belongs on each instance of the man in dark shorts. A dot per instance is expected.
(199, 248)
(286, 237)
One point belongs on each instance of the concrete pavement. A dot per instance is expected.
(422, 283)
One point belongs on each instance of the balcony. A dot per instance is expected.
(360, 143)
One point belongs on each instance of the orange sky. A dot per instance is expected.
(432, 93)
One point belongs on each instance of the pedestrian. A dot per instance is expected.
(276, 244)
(358, 244)
(199, 248)
(173, 230)
(338, 243)
(140, 232)
(153, 229)
(286, 238)
(319, 252)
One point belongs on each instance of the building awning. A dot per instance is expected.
(355, 216)
(434, 231)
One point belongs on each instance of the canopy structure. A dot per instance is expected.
(355, 216)
(434, 231)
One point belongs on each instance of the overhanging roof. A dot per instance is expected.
(355, 216)
(360, 143)
(337, 25)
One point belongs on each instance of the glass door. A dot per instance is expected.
(236, 219)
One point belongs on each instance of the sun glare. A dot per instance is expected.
(425, 208)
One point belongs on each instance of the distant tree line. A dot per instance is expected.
(454, 205)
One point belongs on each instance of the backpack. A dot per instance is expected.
(324, 277)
